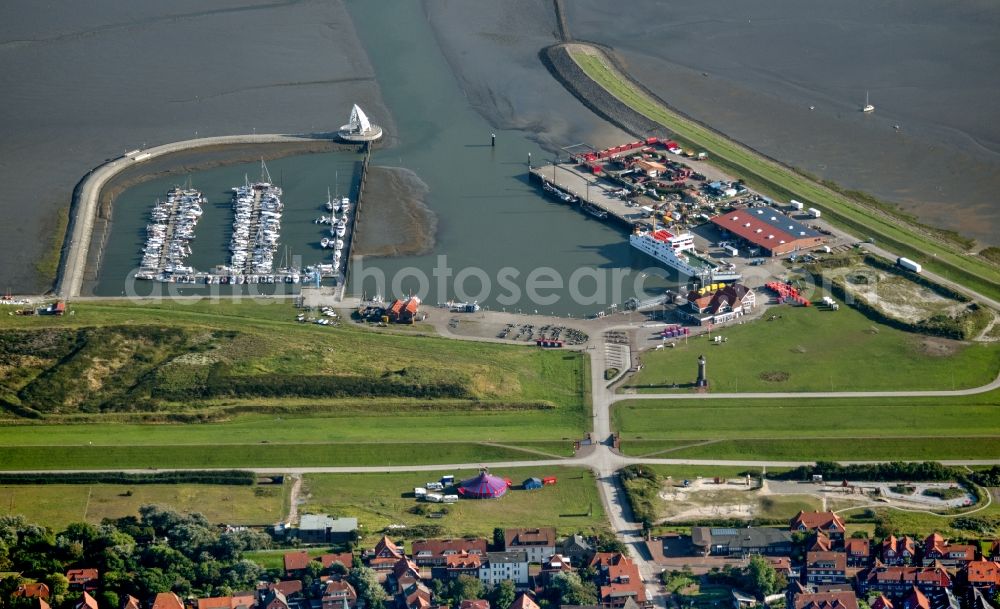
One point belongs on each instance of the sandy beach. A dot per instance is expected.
(394, 219)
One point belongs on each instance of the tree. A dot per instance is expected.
(572, 590)
(502, 595)
(365, 582)
(499, 539)
(58, 587)
(761, 577)
(465, 587)
(109, 599)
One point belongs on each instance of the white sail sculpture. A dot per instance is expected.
(360, 129)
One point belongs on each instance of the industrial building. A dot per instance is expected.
(768, 230)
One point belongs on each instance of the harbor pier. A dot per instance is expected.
(594, 195)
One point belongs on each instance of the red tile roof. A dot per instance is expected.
(827, 600)
(983, 572)
(79, 577)
(826, 560)
(288, 587)
(296, 561)
(809, 521)
(224, 602)
(856, 546)
(340, 589)
(935, 576)
(515, 538)
(385, 548)
(435, 548)
(463, 561)
(86, 602)
(344, 558)
(882, 602)
(916, 600)
(132, 602)
(821, 542)
(476, 603)
(33, 590)
(523, 601)
(167, 600)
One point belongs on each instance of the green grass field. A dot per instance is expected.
(56, 505)
(809, 349)
(780, 181)
(920, 525)
(812, 428)
(379, 500)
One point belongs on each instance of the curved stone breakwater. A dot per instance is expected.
(86, 196)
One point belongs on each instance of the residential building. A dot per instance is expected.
(500, 566)
(167, 600)
(896, 582)
(523, 601)
(576, 548)
(858, 552)
(950, 555)
(322, 528)
(982, 575)
(898, 551)
(827, 522)
(86, 602)
(336, 592)
(344, 558)
(826, 567)
(827, 600)
(82, 580)
(458, 564)
(618, 580)
(244, 600)
(731, 541)
(384, 556)
(273, 599)
(32, 590)
(296, 563)
(725, 304)
(538, 544)
(131, 602)
(408, 589)
(994, 551)
(820, 543)
(476, 603)
(433, 552)
(288, 587)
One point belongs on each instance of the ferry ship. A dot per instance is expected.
(677, 251)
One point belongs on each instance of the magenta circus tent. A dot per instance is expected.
(483, 486)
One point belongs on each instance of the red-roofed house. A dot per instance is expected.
(344, 558)
(827, 600)
(826, 567)
(404, 311)
(619, 579)
(882, 602)
(827, 522)
(898, 551)
(458, 564)
(237, 601)
(523, 601)
(296, 563)
(538, 543)
(289, 587)
(385, 555)
(858, 551)
(916, 600)
(431, 552)
(33, 590)
(86, 602)
(475, 603)
(132, 602)
(725, 304)
(167, 600)
(336, 592)
(950, 555)
(995, 550)
(820, 543)
(983, 575)
(896, 582)
(82, 579)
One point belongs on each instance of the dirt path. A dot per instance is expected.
(293, 499)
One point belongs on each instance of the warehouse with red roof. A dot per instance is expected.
(766, 228)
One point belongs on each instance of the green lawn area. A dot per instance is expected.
(517, 396)
(808, 349)
(812, 428)
(379, 500)
(920, 525)
(188, 456)
(56, 505)
(777, 180)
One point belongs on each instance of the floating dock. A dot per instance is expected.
(593, 194)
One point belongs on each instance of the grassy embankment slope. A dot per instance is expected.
(784, 183)
(121, 366)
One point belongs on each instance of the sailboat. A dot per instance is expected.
(867, 107)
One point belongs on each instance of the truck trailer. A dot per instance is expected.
(909, 265)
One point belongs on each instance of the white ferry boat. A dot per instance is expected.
(677, 251)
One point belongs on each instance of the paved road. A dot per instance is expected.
(84, 211)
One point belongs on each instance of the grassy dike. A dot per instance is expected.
(782, 182)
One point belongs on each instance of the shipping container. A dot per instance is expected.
(909, 265)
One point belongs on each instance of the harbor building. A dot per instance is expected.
(769, 230)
